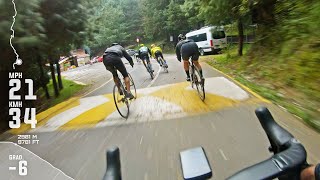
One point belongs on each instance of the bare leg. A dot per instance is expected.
(144, 63)
(127, 82)
(197, 64)
(186, 68)
(186, 65)
(116, 81)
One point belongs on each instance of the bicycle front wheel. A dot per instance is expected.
(199, 84)
(121, 102)
(150, 71)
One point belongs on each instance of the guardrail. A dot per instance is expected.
(246, 39)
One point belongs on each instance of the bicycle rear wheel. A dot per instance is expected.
(164, 65)
(121, 102)
(199, 84)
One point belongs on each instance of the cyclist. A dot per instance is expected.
(185, 49)
(112, 61)
(156, 52)
(144, 52)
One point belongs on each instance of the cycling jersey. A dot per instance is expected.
(112, 60)
(187, 48)
(144, 51)
(154, 50)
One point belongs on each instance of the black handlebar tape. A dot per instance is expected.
(277, 135)
(113, 171)
(317, 172)
(288, 163)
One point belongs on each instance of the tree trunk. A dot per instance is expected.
(240, 33)
(59, 75)
(43, 84)
(53, 76)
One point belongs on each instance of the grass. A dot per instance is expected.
(276, 79)
(70, 89)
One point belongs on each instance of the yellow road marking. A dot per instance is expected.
(93, 116)
(178, 94)
(190, 101)
(44, 116)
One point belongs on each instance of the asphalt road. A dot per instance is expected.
(227, 129)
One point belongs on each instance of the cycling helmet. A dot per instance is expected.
(113, 44)
(153, 45)
(141, 45)
(181, 37)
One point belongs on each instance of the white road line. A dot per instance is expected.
(141, 140)
(98, 87)
(298, 117)
(155, 78)
(85, 105)
(223, 155)
(213, 126)
(291, 128)
(27, 150)
(283, 108)
(102, 85)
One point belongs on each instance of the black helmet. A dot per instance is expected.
(113, 44)
(181, 37)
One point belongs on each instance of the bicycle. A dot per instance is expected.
(119, 96)
(196, 80)
(163, 64)
(148, 67)
(287, 163)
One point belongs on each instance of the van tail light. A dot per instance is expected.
(211, 43)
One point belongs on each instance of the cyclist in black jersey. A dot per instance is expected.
(185, 49)
(112, 61)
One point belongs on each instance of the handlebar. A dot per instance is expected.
(287, 162)
(289, 155)
(113, 171)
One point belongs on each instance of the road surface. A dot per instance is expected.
(166, 118)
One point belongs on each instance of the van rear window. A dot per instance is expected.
(218, 34)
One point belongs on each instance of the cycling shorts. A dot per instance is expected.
(190, 49)
(158, 54)
(113, 63)
(145, 57)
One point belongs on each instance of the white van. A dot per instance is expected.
(209, 39)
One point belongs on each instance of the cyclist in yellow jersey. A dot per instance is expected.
(156, 52)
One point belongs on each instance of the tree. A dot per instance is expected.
(191, 9)
(176, 22)
(64, 25)
(220, 11)
(154, 18)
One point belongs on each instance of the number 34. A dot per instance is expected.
(16, 113)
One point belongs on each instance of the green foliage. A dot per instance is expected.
(153, 18)
(191, 8)
(176, 19)
(113, 21)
